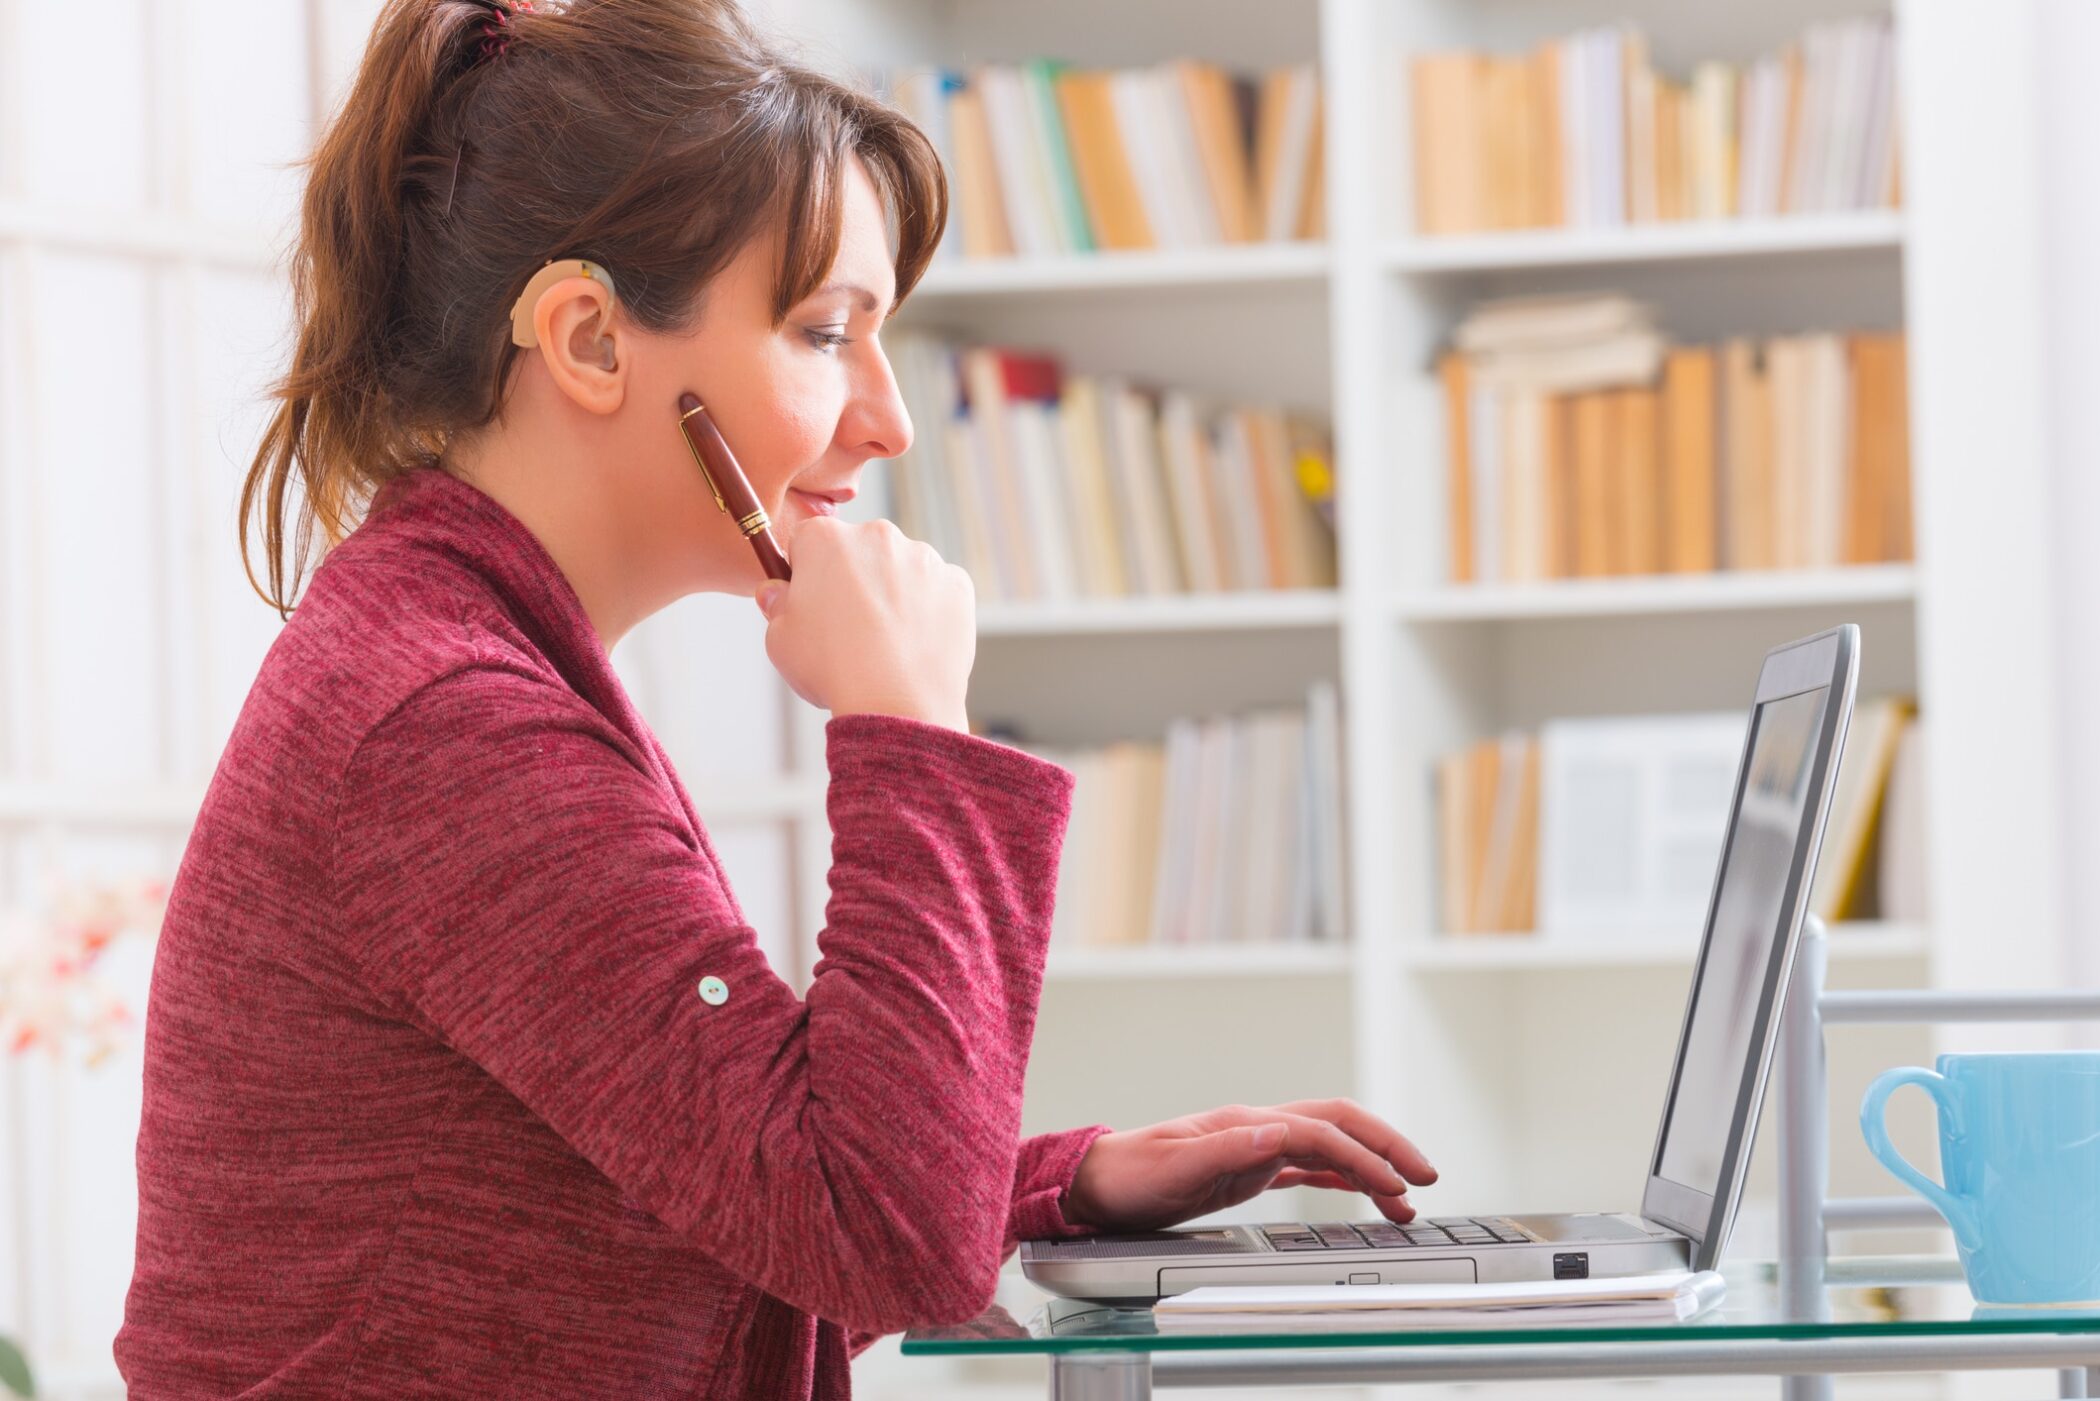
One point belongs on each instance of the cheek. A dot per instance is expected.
(800, 413)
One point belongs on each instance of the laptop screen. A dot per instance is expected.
(1719, 1040)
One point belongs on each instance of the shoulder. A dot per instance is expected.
(482, 711)
(382, 631)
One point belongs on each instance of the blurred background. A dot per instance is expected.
(1385, 435)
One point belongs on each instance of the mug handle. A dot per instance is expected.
(1873, 1114)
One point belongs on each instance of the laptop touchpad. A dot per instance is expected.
(1584, 1226)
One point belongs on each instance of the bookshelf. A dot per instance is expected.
(1246, 265)
(1791, 237)
(1240, 611)
(1520, 953)
(1851, 585)
(1494, 1053)
(1200, 961)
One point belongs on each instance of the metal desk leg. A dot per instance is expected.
(1804, 1151)
(1101, 1376)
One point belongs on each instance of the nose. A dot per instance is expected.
(876, 423)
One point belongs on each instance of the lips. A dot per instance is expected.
(822, 503)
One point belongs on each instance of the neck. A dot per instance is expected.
(567, 510)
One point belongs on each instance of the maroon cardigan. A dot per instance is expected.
(464, 1073)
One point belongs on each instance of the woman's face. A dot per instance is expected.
(803, 404)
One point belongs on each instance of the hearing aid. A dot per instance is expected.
(521, 328)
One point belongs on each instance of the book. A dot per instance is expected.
(1048, 485)
(1688, 463)
(1747, 469)
(1632, 813)
(1900, 850)
(1327, 910)
(1048, 159)
(1843, 887)
(1539, 322)
(1024, 179)
(1458, 457)
(1227, 831)
(1101, 162)
(1221, 150)
(1293, 200)
(1580, 444)
(1594, 455)
(1068, 206)
(983, 227)
(1878, 452)
(1586, 131)
(1487, 800)
(1639, 532)
(1664, 1297)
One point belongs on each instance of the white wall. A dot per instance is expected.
(127, 635)
(2070, 104)
(147, 184)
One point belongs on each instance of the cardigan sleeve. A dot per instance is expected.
(1048, 1163)
(1043, 1175)
(513, 870)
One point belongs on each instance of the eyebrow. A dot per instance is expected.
(867, 300)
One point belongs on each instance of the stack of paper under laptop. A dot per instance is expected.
(1654, 1298)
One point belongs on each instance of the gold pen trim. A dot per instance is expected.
(701, 463)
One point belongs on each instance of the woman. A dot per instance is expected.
(465, 1075)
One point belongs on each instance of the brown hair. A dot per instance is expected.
(654, 137)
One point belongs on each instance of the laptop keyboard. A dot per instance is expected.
(1445, 1231)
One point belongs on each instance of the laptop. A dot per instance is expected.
(1702, 1148)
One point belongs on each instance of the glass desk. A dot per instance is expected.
(1868, 1315)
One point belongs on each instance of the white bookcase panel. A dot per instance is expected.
(1494, 1057)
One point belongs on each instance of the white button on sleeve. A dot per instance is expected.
(713, 991)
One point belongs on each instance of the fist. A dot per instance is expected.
(873, 623)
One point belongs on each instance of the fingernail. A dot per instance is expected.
(1268, 1137)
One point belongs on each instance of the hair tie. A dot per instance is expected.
(495, 38)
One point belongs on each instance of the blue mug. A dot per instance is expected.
(2020, 1148)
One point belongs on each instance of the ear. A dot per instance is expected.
(582, 343)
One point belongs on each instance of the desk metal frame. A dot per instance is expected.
(1807, 1214)
(1131, 1376)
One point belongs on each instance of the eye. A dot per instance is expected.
(827, 338)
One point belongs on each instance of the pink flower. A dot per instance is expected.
(48, 990)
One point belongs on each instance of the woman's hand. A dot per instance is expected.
(1146, 1179)
(874, 622)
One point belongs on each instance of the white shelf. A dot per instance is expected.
(1191, 267)
(1800, 235)
(1526, 952)
(1250, 611)
(147, 233)
(1157, 961)
(31, 803)
(1723, 591)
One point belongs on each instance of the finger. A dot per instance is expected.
(1371, 1131)
(1393, 1208)
(1307, 1137)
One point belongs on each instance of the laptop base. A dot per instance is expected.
(1135, 1271)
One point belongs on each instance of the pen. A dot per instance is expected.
(727, 481)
